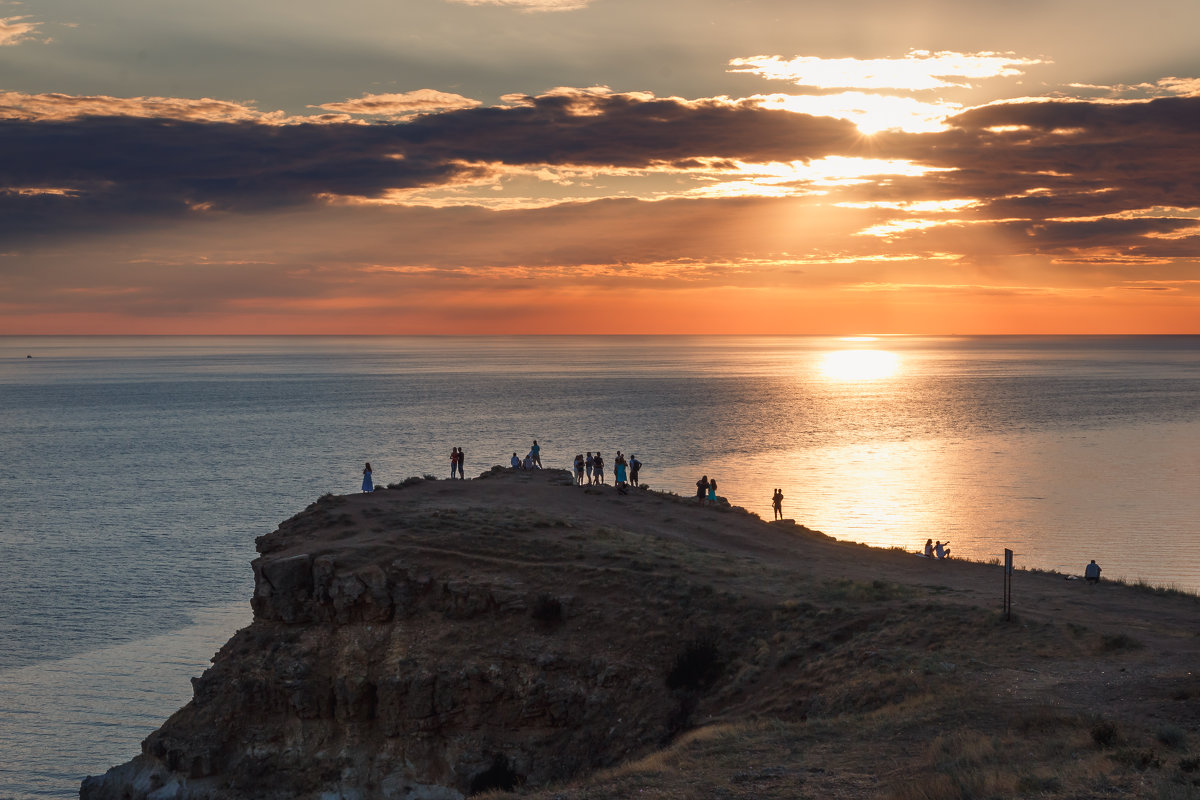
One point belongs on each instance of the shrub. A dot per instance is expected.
(547, 609)
(1105, 733)
(1119, 642)
(697, 667)
(1141, 760)
(1172, 736)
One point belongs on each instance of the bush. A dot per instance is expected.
(547, 609)
(1119, 642)
(1171, 736)
(1105, 733)
(697, 667)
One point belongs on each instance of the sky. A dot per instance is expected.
(599, 167)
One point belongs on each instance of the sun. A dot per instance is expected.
(859, 365)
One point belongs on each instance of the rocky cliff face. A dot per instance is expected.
(439, 640)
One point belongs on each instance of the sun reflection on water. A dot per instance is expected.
(859, 365)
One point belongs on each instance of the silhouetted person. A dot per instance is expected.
(701, 489)
(368, 484)
(777, 503)
(634, 467)
(1091, 573)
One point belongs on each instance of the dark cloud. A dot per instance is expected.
(1038, 160)
(102, 171)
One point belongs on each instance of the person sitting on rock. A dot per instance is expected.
(942, 550)
(929, 548)
(516, 462)
(1091, 573)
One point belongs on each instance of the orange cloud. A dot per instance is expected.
(55, 107)
(399, 106)
(14, 30)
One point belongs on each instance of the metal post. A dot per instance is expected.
(1008, 572)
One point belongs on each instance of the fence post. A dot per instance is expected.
(1008, 571)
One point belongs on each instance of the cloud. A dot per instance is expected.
(14, 30)
(871, 113)
(1099, 181)
(918, 70)
(529, 5)
(208, 156)
(1163, 87)
(1050, 159)
(399, 106)
(49, 107)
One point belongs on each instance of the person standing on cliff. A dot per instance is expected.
(777, 502)
(634, 466)
(462, 457)
(453, 461)
(598, 468)
(535, 453)
(701, 489)
(368, 484)
(590, 465)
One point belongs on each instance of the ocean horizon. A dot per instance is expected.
(139, 470)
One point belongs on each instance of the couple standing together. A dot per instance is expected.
(704, 486)
(457, 456)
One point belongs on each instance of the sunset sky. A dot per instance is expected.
(599, 166)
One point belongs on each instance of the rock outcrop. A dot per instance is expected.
(428, 642)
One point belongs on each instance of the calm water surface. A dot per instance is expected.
(136, 472)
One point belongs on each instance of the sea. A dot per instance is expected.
(136, 472)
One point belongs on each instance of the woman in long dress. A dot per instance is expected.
(712, 490)
(368, 485)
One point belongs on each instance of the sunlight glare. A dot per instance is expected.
(871, 113)
(859, 365)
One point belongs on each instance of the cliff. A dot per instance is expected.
(513, 632)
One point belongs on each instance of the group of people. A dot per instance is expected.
(706, 488)
(532, 460)
(591, 467)
(456, 463)
(939, 549)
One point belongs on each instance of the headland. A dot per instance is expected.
(518, 635)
